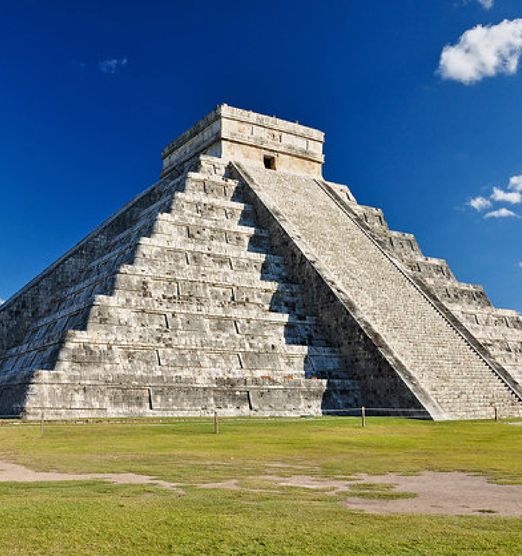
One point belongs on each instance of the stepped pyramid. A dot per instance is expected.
(244, 282)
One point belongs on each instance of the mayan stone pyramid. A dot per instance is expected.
(243, 282)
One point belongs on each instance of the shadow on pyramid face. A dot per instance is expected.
(322, 359)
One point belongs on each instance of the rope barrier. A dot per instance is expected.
(16, 420)
(215, 417)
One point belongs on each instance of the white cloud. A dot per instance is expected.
(520, 264)
(513, 197)
(479, 203)
(483, 51)
(112, 65)
(515, 183)
(512, 194)
(501, 213)
(2, 301)
(486, 4)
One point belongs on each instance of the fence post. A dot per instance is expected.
(42, 424)
(496, 414)
(363, 416)
(216, 423)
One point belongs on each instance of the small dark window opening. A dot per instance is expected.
(269, 162)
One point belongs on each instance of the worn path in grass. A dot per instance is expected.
(427, 493)
(294, 487)
(12, 472)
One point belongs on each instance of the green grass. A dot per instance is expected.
(378, 491)
(92, 517)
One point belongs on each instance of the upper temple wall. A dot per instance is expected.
(242, 136)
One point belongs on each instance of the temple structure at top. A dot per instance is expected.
(239, 135)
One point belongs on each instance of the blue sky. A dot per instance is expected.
(89, 95)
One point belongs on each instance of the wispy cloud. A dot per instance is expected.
(483, 51)
(2, 301)
(112, 65)
(479, 203)
(486, 4)
(513, 197)
(501, 213)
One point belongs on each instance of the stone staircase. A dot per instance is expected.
(498, 330)
(444, 365)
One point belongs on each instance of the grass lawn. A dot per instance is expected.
(94, 517)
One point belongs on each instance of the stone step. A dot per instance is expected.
(195, 340)
(496, 333)
(78, 365)
(198, 362)
(194, 208)
(163, 272)
(159, 247)
(509, 359)
(199, 203)
(251, 238)
(201, 286)
(165, 241)
(180, 381)
(180, 219)
(105, 305)
(470, 400)
(470, 395)
(213, 188)
(133, 340)
(203, 263)
(157, 374)
(180, 262)
(201, 325)
(484, 412)
(251, 308)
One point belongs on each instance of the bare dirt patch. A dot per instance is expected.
(231, 484)
(335, 486)
(290, 466)
(430, 492)
(11, 472)
(443, 493)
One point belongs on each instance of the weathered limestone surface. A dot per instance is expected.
(227, 286)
